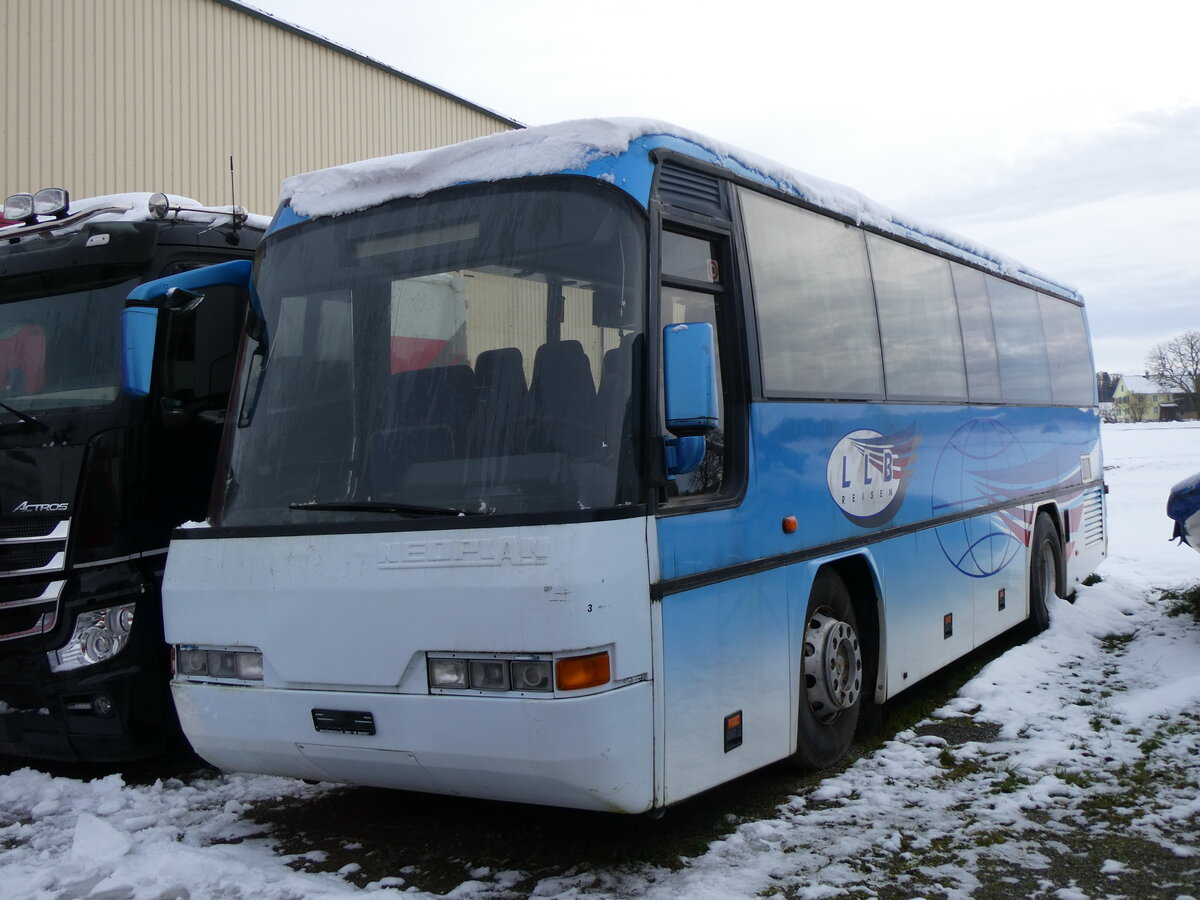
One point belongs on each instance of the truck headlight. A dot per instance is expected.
(99, 634)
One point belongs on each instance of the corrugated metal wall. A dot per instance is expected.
(107, 96)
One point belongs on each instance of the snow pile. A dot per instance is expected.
(104, 838)
(1091, 729)
(573, 146)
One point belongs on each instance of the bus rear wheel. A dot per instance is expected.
(1044, 567)
(831, 677)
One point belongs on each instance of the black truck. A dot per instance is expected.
(94, 476)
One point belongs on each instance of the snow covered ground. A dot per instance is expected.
(1068, 768)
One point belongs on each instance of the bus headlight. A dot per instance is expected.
(99, 634)
(517, 673)
(489, 674)
(234, 664)
(448, 673)
(530, 675)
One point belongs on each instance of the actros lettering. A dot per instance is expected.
(26, 506)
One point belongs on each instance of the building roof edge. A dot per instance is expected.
(264, 16)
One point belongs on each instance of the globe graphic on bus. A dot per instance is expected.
(977, 468)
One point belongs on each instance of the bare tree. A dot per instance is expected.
(1175, 364)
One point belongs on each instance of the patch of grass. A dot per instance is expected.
(1101, 721)
(1012, 782)
(1092, 579)
(1149, 745)
(991, 838)
(1078, 779)
(1183, 602)
(958, 769)
(1115, 643)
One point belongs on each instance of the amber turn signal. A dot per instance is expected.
(578, 672)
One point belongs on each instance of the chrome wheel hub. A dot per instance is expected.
(832, 664)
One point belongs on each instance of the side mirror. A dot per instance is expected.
(175, 293)
(690, 379)
(689, 393)
(181, 300)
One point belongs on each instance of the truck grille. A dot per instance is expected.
(28, 609)
(27, 528)
(26, 558)
(30, 547)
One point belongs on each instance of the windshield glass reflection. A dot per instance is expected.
(61, 351)
(474, 353)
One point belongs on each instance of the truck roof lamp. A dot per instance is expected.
(28, 208)
(51, 202)
(19, 208)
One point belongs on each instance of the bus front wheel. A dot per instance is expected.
(831, 677)
(1043, 572)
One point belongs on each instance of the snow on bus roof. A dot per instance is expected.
(574, 145)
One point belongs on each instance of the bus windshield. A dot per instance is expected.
(478, 351)
(59, 349)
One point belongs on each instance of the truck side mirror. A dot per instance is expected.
(181, 300)
(689, 393)
(175, 293)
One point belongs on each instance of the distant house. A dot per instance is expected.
(1141, 399)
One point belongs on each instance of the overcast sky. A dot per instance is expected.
(1065, 134)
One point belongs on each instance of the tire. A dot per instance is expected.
(831, 676)
(1045, 564)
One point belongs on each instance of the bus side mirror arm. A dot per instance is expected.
(180, 300)
(174, 294)
(682, 455)
(689, 394)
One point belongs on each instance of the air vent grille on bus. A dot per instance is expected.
(1092, 525)
(687, 188)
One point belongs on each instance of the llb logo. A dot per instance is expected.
(868, 473)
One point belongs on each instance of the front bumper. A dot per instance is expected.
(56, 719)
(593, 752)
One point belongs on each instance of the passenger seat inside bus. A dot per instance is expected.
(563, 401)
(497, 426)
(427, 414)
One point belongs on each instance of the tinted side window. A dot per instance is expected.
(817, 328)
(918, 323)
(689, 257)
(979, 339)
(1024, 371)
(693, 291)
(1071, 379)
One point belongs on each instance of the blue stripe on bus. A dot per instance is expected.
(851, 470)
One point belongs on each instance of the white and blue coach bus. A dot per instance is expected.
(598, 464)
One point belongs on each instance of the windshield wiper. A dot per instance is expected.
(25, 417)
(30, 420)
(384, 506)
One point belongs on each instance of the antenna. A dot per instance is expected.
(233, 193)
